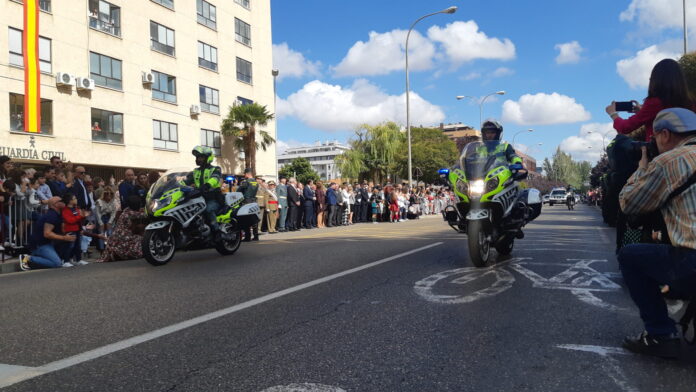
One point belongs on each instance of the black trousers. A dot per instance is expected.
(291, 224)
(332, 215)
(309, 215)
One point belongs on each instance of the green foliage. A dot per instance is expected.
(431, 150)
(241, 123)
(564, 170)
(688, 64)
(301, 169)
(373, 153)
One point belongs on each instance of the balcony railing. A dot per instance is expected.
(110, 27)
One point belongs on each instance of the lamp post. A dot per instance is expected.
(275, 73)
(513, 138)
(460, 97)
(449, 10)
(685, 32)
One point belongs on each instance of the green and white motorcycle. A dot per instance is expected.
(177, 221)
(491, 208)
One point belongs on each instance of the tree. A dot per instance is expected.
(373, 154)
(688, 64)
(241, 124)
(564, 170)
(301, 169)
(431, 151)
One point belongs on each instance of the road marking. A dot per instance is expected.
(600, 350)
(611, 365)
(305, 387)
(25, 373)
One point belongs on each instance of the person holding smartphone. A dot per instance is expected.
(667, 89)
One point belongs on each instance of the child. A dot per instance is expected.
(72, 222)
(43, 191)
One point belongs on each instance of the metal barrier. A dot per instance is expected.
(17, 225)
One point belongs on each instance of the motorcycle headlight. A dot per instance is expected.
(492, 184)
(476, 187)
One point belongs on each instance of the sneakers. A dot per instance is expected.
(663, 346)
(24, 262)
(68, 264)
(82, 262)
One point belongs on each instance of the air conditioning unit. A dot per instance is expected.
(148, 78)
(85, 84)
(195, 110)
(64, 79)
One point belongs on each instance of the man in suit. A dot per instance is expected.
(80, 189)
(282, 193)
(126, 188)
(271, 207)
(310, 198)
(332, 203)
(366, 205)
(293, 205)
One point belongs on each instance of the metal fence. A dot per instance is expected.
(17, 216)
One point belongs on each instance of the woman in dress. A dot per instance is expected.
(126, 241)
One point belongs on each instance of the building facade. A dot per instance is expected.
(461, 134)
(322, 157)
(137, 83)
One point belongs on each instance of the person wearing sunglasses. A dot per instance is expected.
(79, 189)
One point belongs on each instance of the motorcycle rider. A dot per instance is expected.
(570, 197)
(491, 132)
(207, 178)
(249, 188)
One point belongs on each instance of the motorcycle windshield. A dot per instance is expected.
(478, 158)
(169, 180)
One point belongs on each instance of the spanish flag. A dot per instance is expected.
(32, 73)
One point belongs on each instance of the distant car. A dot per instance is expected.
(545, 199)
(577, 199)
(558, 196)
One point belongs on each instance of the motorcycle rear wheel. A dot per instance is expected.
(228, 247)
(159, 246)
(479, 245)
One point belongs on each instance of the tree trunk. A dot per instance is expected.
(252, 149)
(247, 152)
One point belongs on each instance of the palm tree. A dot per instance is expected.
(241, 123)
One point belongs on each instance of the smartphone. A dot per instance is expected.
(624, 106)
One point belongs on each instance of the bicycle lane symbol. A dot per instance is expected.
(579, 278)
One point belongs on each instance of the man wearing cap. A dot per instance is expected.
(271, 207)
(282, 193)
(649, 270)
(261, 198)
(249, 187)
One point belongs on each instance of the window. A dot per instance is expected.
(165, 135)
(166, 3)
(207, 56)
(17, 114)
(210, 99)
(164, 87)
(243, 3)
(161, 38)
(206, 14)
(105, 71)
(17, 52)
(105, 17)
(242, 32)
(243, 70)
(45, 5)
(244, 101)
(107, 126)
(211, 139)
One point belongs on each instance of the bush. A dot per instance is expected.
(688, 64)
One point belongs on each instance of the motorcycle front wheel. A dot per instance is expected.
(479, 244)
(228, 247)
(159, 246)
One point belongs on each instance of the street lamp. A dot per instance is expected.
(513, 138)
(449, 10)
(684, 15)
(460, 97)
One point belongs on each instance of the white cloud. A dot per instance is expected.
(282, 146)
(502, 71)
(385, 52)
(588, 144)
(463, 42)
(569, 52)
(471, 76)
(658, 14)
(544, 109)
(290, 63)
(334, 108)
(636, 70)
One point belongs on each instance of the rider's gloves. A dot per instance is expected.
(186, 189)
(516, 166)
(205, 188)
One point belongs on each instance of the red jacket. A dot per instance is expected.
(645, 116)
(72, 219)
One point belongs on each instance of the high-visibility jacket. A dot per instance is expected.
(503, 152)
(208, 175)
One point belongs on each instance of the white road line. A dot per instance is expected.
(17, 374)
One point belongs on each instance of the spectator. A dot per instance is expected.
(282, 192)
(6, 165)
(665, 184)
(366, 205)
(332, 203)
(126, 241)
(667, 89)
(79, 189)
(98, 184)
(249, 189)
(56, 163)
(310, 198)
(73, 218)
(106, 212)
(321, 205)
(375, 202)
(43, 191)
(141, 187)
(261, 200)
(351, 204)
(293, 205)
(127, 187)
(271, 207)
(45, 236)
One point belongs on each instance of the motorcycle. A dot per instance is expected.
(491, 208)
(570, 202)
(176, 213)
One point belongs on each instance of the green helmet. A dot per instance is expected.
(203, 151)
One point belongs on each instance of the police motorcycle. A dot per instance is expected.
(491, 208)
(570, 201)
(176, 213)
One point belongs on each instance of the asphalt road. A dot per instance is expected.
(388, 307)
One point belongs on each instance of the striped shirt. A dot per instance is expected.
(648, 189)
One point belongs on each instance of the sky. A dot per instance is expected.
(560, 63)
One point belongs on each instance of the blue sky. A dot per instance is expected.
(560, 62)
